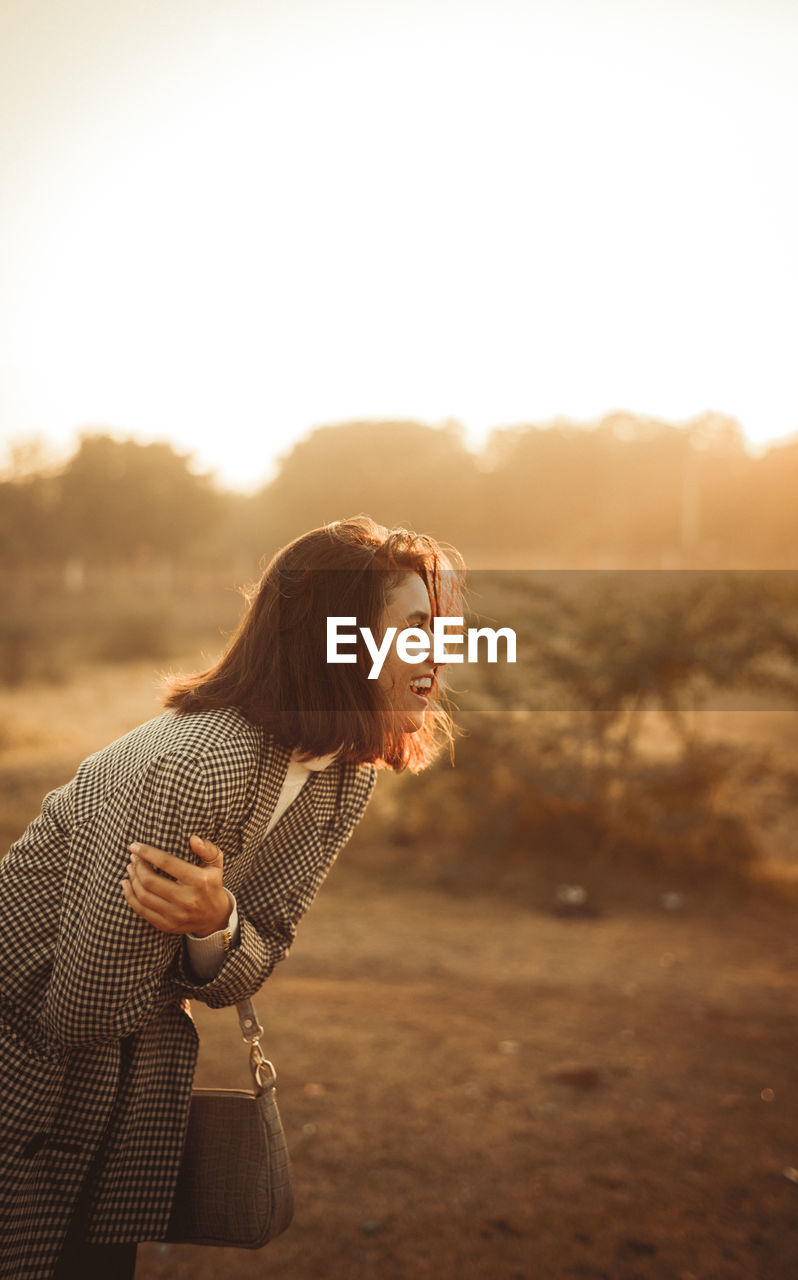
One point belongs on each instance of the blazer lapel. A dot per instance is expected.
(308, 833)
(274, 762)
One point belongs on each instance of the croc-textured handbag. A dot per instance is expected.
(234, 1187)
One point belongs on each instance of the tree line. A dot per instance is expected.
(628, 492)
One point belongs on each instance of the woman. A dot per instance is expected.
(99, 950)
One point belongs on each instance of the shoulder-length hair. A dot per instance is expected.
(275, 668)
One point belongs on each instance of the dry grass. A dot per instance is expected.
(46, 729)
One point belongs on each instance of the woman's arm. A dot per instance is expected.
(175, 896)
(192, 901)
(267, 916)
(266, 934)
(268, 920)
(110, 967)
(262, 937)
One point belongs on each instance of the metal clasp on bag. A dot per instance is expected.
(257, 1065)
(251, 1031)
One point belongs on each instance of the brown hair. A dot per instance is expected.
(275, 669)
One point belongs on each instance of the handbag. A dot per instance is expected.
(234, 1187)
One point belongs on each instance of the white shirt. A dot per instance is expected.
(207, 955)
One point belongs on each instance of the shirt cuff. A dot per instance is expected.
(207, 955)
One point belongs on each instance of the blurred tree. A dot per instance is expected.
(771, 500)
(725, 472)
(28, 530)
(543, 488)
(629, 492)
(123, 501)
(28, 458)
(400, 473)
(617, 644)
(563, 785)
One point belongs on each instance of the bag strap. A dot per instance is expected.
(251, 1031)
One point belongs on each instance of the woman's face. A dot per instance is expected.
(408, 606)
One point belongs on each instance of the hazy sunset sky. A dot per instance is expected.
(225, 222)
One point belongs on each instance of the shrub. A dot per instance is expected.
(523, 811)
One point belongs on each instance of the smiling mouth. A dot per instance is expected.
(421, 687)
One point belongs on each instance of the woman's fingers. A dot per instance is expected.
(147, 881)
(178, 868)
(148, 913)
(173, 908)
(176, 896)
(211, 856)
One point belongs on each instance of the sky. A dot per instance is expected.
(228, 222)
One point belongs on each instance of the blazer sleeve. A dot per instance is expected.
(268, 926)
(109, 969)
(265, 937)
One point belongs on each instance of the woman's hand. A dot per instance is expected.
(193, 901)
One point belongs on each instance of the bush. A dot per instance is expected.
(30, 650)
(524, 810)
(46, 627)
(131, 635)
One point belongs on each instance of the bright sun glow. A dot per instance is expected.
(233, 223)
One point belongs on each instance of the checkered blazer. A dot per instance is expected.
(85, 982)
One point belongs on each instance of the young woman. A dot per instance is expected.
(270, 757)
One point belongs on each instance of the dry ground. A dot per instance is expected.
(470, 1090)
(475, 1091)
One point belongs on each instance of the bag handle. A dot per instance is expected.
(251, 1031)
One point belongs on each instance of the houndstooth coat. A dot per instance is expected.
(80, 972)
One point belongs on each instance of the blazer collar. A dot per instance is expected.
(318, 800)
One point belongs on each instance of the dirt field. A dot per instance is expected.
(475, 1091)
